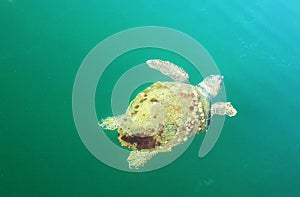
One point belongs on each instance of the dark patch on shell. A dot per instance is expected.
(137, 106)
(134, 112)
(160, 132)
(141, 101)
(154, 100)
(191, 108)
(146, 142)
(187, 95)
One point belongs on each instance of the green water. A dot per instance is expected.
(255, 45)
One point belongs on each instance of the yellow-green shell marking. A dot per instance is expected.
(163, 116)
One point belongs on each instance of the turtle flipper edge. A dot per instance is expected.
(169, 69)
(211, 85)
(138, 159)
(223, 108)
(111, 123)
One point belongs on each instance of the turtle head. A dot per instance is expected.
(211, 85)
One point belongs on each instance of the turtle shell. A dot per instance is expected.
(164, 114)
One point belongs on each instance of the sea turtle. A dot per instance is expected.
(166, 114)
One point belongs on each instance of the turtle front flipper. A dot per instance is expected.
(169, 69)
(223, 108)
(111, 123)
(138, 159)
(211, 85)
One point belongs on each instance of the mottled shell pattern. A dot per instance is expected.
(163, 116)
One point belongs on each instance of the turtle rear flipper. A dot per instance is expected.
(138, 159)
(169, 69)
(111, 123)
